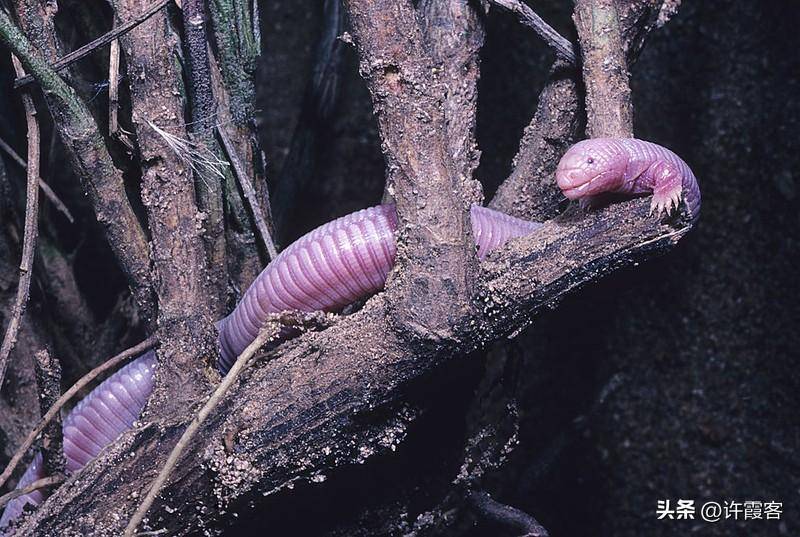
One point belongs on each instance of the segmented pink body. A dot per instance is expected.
(14, 507)
(111, 408)
(338, 263)
(96, 421)
(326, 269)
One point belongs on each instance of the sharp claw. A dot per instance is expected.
(678, 198)
(666, 203)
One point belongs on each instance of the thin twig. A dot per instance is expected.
(13, 154)
(48, 381)
(562, 46)
(249, 193)
(48, 192)
(113, 98)
(508, 516)
(78, 386)
(36, 485)
(56, 201)
(31, 229)
(113, 88)
(85, 50)
(242, 361)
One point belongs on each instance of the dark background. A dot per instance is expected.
(702, 344)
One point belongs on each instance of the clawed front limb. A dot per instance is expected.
(666, 186)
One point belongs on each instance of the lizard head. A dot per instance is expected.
(591, 167)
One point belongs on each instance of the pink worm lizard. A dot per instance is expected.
(350, 258)
(628, 166)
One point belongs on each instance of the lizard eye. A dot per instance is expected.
(590, 160)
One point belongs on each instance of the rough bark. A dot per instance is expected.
(454, 33)
(48, 381)
(605, 73)
(436, 260)
(529, 192)
(210, 186)
(185, 294)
